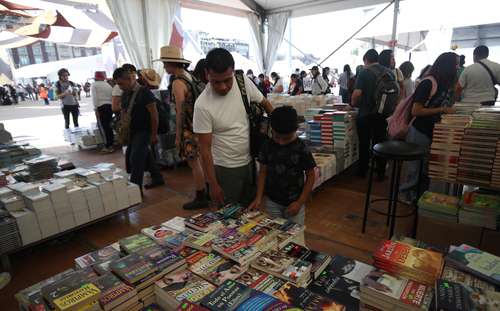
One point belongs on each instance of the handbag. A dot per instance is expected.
(259, 124)
(126, 117)
(495, 82)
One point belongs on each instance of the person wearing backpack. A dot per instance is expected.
(224, 122)
(477, 82)
(430, 101)
(185, 90)
(375, 94)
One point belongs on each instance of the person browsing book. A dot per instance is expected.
(284, 161)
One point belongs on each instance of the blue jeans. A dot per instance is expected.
(409, 188)
(277, 210)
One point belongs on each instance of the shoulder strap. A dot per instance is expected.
(240, 80)
(492, 77)
(131, 101)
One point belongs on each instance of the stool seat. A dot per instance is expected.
(399, 150)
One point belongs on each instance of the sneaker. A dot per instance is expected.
(196, 204)
(107, 150)
(4, 279)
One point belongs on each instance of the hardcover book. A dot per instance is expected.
(227, 297)
(136, 243)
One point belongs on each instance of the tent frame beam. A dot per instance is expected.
(254, 6)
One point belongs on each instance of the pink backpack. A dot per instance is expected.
(401, 120)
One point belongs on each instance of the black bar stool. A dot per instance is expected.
(397, 152)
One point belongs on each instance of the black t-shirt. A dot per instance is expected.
(140, 117)
(367, 83)
(425, 125)
(286, 165)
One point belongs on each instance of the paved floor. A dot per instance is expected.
(42, 125)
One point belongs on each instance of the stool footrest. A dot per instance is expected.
(414, 209)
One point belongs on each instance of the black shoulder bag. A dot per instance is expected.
(259, 124)
(495, 82)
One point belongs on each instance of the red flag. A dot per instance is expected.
(177, 37)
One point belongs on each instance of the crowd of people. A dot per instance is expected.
(217, 109)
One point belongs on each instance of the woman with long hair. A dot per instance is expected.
(344, 79)
(430, 101)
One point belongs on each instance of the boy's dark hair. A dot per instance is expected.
(261, 76)
(120, 73)
(129, 67)
(371, 56)
(62, 71)
(219, 60)
(482, 52)
(284, 120)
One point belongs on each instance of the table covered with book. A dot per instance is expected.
(239, 260)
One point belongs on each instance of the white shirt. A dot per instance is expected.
(225, 117)
(117, 91)
(344, 80)
(319, 85)
(278, 84)
(476, 82)
(307, 81)
(101, 91)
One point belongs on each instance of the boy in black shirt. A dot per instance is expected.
(283, 162)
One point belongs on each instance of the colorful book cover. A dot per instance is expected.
(159, 233)
(228, 270)
(176, 223)
(113, 290)
(439, 202)
(457, 276)
(297, 270)
(483, 263)
(227, 297)
(349, 268)
(204, 222)
(104, 254)
(262, 301)
(305, 299)
(80, 296)
(136, 243)
(132, 268)
(205, 266)
(408, 257)
(189, 306)
(400, 289)
(71, 282)
(339, 289)
(103, 267)
(185, 286)
(162, 258)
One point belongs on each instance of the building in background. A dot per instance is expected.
(207, 42)
(44, 51)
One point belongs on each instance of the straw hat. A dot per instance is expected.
(172, 54)
(151, 77)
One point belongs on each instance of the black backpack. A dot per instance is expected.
(386, 93)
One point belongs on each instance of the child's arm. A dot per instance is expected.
(261, 183)
(294, 207)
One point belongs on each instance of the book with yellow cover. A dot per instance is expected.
(81, 296)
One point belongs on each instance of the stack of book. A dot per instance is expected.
(11, 154)
(456, 296)
(477, 155)
(481, 210)
(181, 286)
(305, 299)
(476, 262)
(9, 234)
(319, 261)
(135, 243)
(107, 253)
(108, 197)
(383, 291)
(326, 168)
(42, 167)
(261, 281)
(115, 294)
(466, 108)
(40, 204)
(327, 133)
(410, 262)
(438, 206)
(457, 276)
(204, 222)
(495, 174)
(27, 225)
(313, 131)
(62, 206)
(216, 269)
(78, 204)
(161, 235)
(94, 201)
(445, 148)
(120, 191)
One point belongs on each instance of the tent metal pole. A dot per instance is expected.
(395, 25)
(146, 35)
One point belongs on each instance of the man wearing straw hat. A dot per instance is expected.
(184, 94)
(222, 124)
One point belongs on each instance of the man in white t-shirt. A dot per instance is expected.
(475, 84)
(221, 122)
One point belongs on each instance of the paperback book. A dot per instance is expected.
(261, 281)
(305, 299)
(135, 243)
(341, 290)
(227, 297)
(163, 258)
(349, 268)
(453, 275)
(475, 261)
(132, 268)
(159, 234)
(114, 292)
(319, 261)
(104, 254)
(451, 296)
(204, 222)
